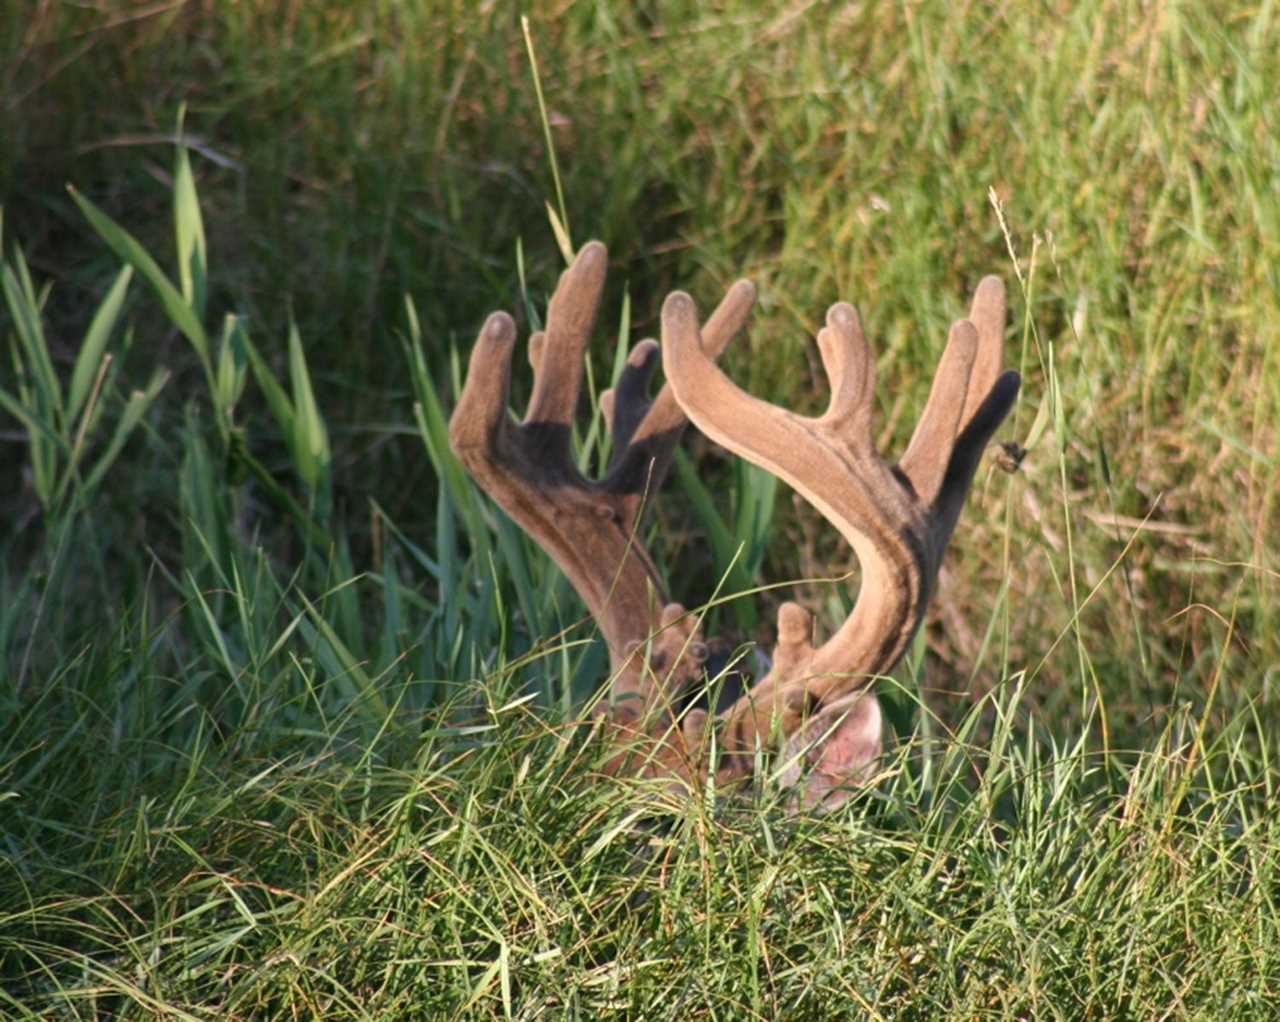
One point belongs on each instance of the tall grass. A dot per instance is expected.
(288, 712)
(348, 156)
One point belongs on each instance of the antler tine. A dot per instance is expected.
(897, 520)
(481, 415)
(987, 314)
(571, 314)
(647, 433)
(969, 399)
(851, 370)
(929, 452)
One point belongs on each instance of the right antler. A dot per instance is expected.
(897, 519)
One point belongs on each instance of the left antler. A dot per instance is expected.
(589, 527)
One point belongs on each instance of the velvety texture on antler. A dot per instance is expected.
(590, 527)
(897, 519)
(815, 699)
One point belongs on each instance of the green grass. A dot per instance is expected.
(287, 708)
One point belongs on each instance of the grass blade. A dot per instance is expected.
(95, 342)
(372, 705)
(726, 549)
(277, 400)
(127, 247)
(310, 440)
(25, 310)
(188, 228)
(35, 426)
(135, 408)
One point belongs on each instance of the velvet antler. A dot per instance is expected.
(590, 527)
(898, 519)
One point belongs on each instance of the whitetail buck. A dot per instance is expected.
(814, 703)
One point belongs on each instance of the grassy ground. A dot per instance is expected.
(286, 711)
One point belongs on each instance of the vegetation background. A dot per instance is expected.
(285, 705)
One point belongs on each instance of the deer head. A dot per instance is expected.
(815, 703)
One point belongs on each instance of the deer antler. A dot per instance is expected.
(897, 520)
(590, 528)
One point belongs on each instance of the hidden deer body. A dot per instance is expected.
(815, 703)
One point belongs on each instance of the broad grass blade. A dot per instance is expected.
(126, 246)
(310, 438)
(95, 342)
(188, 228)
(24, 307)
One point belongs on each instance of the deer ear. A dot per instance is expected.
(834, 752)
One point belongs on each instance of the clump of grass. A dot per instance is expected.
(493, 874)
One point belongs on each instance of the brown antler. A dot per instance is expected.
(897, 520)
(590, 528)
